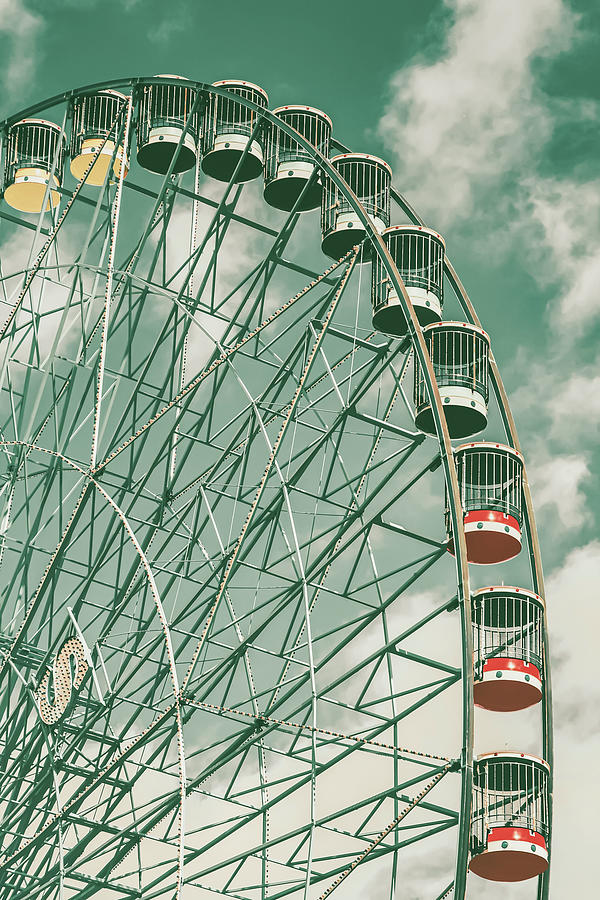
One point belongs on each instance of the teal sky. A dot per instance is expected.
(317, 54)
(489, 112)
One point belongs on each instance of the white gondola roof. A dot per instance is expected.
(490, 445)
(112, 92)
(299, 108)
(441, 325)
(410, 229)
(238, 83)
(513, 756)
(51, 125)
(509, 589)
(350, 156)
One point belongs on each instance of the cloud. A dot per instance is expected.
(565, 214)
(467, 131)
(571, 592)
(168, 29)
(21, 30)
(557, 483)
(461, 122)
(558, 411)
(575, 407)
(175, 22)
(572, 601)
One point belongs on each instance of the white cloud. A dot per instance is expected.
(168, 29)
(21, 28)
(572, 595)
(566, 217)
(558, 399)
(574, 619)
(464, 120)
(557, 483)
(467, 131)
(575, 407)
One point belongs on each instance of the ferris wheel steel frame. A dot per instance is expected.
(224, 214)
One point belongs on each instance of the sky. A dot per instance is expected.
(489, 113)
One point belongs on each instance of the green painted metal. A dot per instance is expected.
(232, 538)
(533, 546)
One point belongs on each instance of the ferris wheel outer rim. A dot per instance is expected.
(530, 525)
(418, 344)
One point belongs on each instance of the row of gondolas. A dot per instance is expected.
(178, 126)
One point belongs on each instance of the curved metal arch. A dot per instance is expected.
(535, 557)
(530, 525)
(165, 626)
(28, 687)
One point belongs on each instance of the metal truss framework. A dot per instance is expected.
(205, 459)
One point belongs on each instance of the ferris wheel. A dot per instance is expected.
(261, 493)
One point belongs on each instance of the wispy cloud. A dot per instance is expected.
(175, 22)
(468, 131)
(575, 407)
(168, 29)
(20, 30)
(571, 591)
(557, 485)
(558, 397)
(565, 214)
(462, 123)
